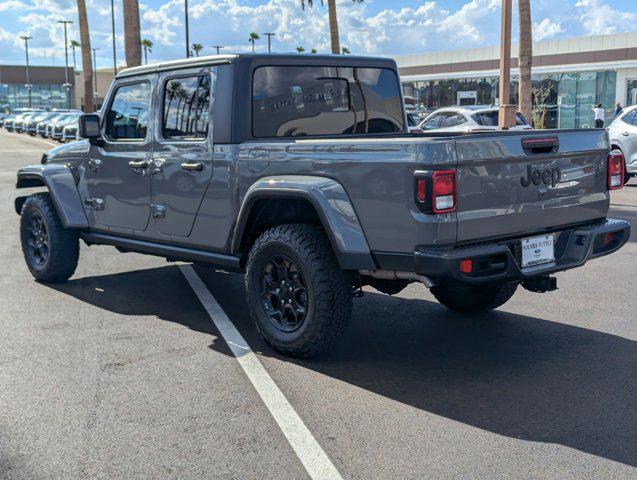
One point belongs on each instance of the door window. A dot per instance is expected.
(451, 120)
(186, 105)
(630, 118)
(432, 122)
(127, 117)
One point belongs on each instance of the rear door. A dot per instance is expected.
(182, 156)
(515, 184)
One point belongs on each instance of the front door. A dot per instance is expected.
(182, 154)
(117, 172)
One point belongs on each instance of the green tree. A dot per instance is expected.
(74, 44)
(345, 51)
(197, 47)
(314, 50)
(147, 45)
(300, 49)
(253, 38)
(331, 8)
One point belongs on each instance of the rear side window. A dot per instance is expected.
(432, 122)
(127, 117)
(186, 105)
(304, 101)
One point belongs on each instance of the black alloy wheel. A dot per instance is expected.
(284, 293)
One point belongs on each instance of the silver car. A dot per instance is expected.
(468, 119)
(623, 135)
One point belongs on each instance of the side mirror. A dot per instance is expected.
(89, 126)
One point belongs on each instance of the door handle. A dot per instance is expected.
(192, 166)
(138, 164)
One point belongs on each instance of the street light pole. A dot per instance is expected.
(26, 39)
(506, 112)
(218, 47)
(269, 35)
(187, 38)
(113, 29)
(67, 85)
(95, 75)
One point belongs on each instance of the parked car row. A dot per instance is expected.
(58, 125)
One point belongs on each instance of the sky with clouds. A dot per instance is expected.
(385, 27)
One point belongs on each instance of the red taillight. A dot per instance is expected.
(421, 189)
(615, 170)
(444, 191)
(466, 265)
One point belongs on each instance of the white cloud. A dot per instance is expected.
(365, 28)
(599, 18)
(546, 28)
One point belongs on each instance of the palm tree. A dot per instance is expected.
(345, 51)
(87, 66)
(525, 58)
(74, 44)
(300, 49)
(314, 50)
(147, 45)
(331, 8)
(132, 36)
(173, 87)
(253, 38)
(197, 47)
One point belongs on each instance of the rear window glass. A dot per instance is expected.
(303, 101)
(490, 119)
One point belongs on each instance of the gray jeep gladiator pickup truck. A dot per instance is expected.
(300, 172)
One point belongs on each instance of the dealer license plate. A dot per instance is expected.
(538, 250)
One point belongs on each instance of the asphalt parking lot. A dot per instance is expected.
(121, 373)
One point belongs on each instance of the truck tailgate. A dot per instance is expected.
(515, 184)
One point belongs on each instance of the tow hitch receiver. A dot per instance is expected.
(540, 284)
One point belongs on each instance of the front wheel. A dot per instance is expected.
(299, 298)
(474, 299)
(51, 251)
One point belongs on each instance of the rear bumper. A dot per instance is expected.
(573, 248)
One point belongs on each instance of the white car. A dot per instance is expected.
(623, 135)
(468, 119)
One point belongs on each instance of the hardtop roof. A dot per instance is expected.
(193, 62)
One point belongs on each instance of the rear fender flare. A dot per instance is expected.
(333, 206)
(60, 181)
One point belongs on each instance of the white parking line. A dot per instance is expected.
(314, 459)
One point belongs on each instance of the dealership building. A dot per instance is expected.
(569, 77)
(47, 85)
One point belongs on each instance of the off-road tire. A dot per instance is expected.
(64, 247)
(474, 299)
(329, 289)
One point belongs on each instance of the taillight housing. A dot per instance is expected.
(436, 192)
(615, 170)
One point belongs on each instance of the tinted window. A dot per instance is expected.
(127, 118)
(300, 101)
(186, 102)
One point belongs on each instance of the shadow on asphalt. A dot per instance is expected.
(514, 375)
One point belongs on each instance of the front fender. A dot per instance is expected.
(60, 181)
(332, 205)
